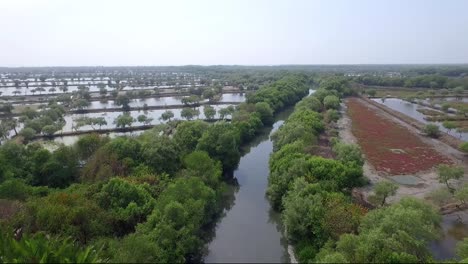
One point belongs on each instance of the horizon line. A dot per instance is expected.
(244, 65)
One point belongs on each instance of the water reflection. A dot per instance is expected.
(251, 231)
(73, 87)
(111, 116)
(410, 109)
(70, 140)
(454, 228)
(162, 101)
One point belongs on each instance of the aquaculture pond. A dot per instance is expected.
(70, 140)
(163, 101)
(410, 109)
(111, 116)
(23, 91)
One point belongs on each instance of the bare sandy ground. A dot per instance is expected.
(427, 180)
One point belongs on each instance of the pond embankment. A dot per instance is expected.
(445, 138)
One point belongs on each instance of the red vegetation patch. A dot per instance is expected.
(388, 146)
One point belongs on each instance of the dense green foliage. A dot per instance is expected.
(42, 249)
(189, 133)
(127, 201)
(153, 197)
(348, 153)
(221, 142)
(282, 93)
(38, 166)
(313, 215)
(311, 191)
(293, 143)
(65, 213)
(399, 233)
(313, 194)
(148, 198)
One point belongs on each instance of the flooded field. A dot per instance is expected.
(410, 109)
(111, 116)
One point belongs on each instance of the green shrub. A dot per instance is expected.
(43, 249)
(348, 153)
(464, 147)
(432, 130)
(14, 189)
(331, 102)
(331, 115)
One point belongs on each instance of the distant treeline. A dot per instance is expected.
(446, 70)
(424, 81)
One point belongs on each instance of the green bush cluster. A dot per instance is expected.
(399, 233)
(313, 195)
(46, 122)
(42, 249)
(37, 166)
(311, 191)
(141, 199)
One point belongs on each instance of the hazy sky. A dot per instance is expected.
(173, 32)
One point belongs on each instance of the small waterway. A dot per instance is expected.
(410, 109)
(454, 228)
(250, 230)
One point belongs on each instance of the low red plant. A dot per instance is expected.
(389, 146)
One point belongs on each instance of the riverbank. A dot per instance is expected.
(251, 231)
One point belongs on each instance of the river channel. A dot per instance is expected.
(250, 230)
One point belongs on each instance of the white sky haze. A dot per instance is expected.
(248, 32)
